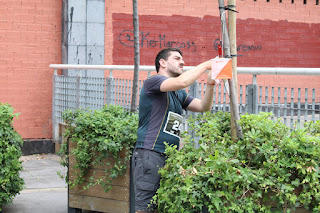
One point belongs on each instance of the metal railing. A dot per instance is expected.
(292, 105)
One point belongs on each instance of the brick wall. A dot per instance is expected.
(30, 33)
(261, 43)
(249, 9)
(272, 33)
(269, 34)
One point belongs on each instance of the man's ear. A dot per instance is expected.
(163, 63)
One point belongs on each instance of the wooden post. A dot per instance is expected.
(136, 57)
(233, 97)
(233, 50)
(232, 26)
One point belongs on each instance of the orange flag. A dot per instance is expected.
(221, 68)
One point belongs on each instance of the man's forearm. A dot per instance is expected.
(190, 76)
(185, 79)
(207, 100)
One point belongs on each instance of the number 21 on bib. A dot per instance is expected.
(174, 124)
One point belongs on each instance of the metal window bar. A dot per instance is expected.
(272, 102)
(260, 99)
(266, 98)
(292, 107)
(313, 103)
(299, 104)
(219, 98)
(198, 90)
(240, 100)
(224, 99)
(116, 91)
(214, 99)
(126, 95)
(306, 105)
(243, 105)
(279, 101)
(285, 105)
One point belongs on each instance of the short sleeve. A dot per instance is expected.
(152, 84)
(186, 99)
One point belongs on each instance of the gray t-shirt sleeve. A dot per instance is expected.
(152, 84)
(152, 87)
(186, 100)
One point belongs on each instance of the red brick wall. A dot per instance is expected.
(296, 12)
(261, 43)
(30, 33)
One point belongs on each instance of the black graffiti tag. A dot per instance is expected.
(126, 38)
(240, 48)
(249, 48)
(216, 43)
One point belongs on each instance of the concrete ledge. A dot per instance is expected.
(37, 146)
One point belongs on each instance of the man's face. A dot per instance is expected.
(175, 64)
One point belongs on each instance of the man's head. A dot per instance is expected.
(164, 55)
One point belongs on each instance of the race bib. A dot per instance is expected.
(174, 124)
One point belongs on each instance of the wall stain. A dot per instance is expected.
(71, 19)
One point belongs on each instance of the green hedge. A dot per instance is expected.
(99, 134)
(273, 169)
(10, 151)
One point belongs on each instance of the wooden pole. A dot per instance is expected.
(233, 50)
(227, 54)
(136, 56)
(232, 26)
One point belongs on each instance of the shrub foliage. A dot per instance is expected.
(109, 132)
(272, 169)
(10, 151)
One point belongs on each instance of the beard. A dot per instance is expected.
(174, 71)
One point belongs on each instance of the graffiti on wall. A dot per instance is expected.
(126, 38)
(241, 47)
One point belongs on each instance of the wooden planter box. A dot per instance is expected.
(117, 200)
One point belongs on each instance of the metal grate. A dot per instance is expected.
(292, 105)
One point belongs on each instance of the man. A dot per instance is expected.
(162, 99)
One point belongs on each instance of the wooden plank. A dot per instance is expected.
(98, 204)
(108, 160)
(104, 163)
(116, 193)
(62, 129)
(122, 180)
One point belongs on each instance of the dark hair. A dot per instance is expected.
(164, 54)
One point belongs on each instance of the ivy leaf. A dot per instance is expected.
(234, 161)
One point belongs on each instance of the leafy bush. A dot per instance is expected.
(106, 133)
(271, 169)
(10, 151)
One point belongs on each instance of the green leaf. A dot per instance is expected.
(234, 161)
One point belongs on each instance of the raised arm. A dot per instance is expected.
(205, 104)
(185, 79)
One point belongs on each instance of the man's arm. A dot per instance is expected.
(185, 79)
(205, 104)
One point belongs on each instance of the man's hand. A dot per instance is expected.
(210, 81)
